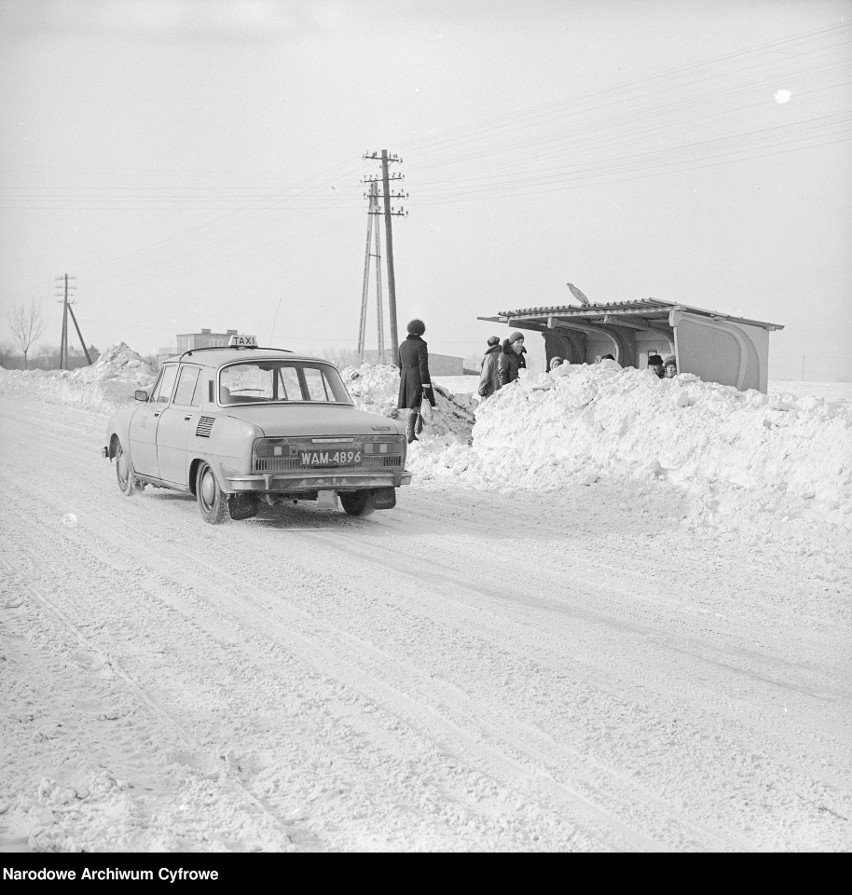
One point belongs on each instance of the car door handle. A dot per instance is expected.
(157, 413)
(187, 419)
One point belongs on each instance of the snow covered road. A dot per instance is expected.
(471, 671)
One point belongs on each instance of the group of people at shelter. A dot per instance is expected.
(665, 368)
(501, 364)
(503, 361)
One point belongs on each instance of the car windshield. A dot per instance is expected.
(284, 380)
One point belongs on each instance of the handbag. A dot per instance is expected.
(427, 412)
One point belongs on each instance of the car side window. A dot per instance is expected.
(163, 390)
(315, 385)
(290, 390)
(187, 393)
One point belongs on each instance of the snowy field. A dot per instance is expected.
(611, 613)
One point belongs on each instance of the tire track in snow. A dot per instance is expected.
(138, 694)
(242, 538)
(379, 675)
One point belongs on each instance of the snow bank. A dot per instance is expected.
(727, 449)
(103, 386)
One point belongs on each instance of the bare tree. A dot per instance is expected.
(27, 324)
(340, 357)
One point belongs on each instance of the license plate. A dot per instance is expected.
(349, 457)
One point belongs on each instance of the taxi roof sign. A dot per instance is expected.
(243, 340)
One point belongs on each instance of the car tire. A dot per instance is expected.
(358, 503)
(128, 484)
(212, 501)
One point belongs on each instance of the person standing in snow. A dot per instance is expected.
(415, 383)
(511, 359)
(489, 380)
(670, 366)
(555, 362)
(655, 363)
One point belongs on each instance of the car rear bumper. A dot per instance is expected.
(312, 481)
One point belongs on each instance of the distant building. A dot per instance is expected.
(439, 364)
(187, 341)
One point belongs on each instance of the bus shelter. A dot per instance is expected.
(712, 345)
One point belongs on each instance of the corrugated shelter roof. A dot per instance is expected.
(594, 306)
(647, 307)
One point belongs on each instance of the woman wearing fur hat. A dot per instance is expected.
(511, 359)
(489, 380)
(414, 379)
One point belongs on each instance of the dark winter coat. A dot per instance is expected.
(414, 378)
(489, 380)
(508, 363)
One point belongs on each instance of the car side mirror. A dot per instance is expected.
(140, 394)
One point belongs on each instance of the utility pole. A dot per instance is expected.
(388, 212)
(372, 224)
(362, 323)
(378, 256)
(66, 310)
(63, 345)
(389, 244)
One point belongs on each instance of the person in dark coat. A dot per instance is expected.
(489, 380)
(511, 358)
(415, 383)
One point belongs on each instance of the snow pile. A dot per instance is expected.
(118, 362)
(729, 450)
(103, 386)
(375, 388)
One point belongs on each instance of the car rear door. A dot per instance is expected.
(145, 422)
(176, 424)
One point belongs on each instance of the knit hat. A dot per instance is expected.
(515, 336)
(493, 340)
(669, 359)
(416, 328)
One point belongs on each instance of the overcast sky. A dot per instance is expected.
(198, 163)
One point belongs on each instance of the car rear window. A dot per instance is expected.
(281, 381)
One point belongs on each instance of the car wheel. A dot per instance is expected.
(128, 484)
(358, 503)
(211, 501)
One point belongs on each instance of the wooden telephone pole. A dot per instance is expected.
(372, 224)
(388, 213)
(66, 310)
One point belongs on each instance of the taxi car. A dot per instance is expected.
(240, 425)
